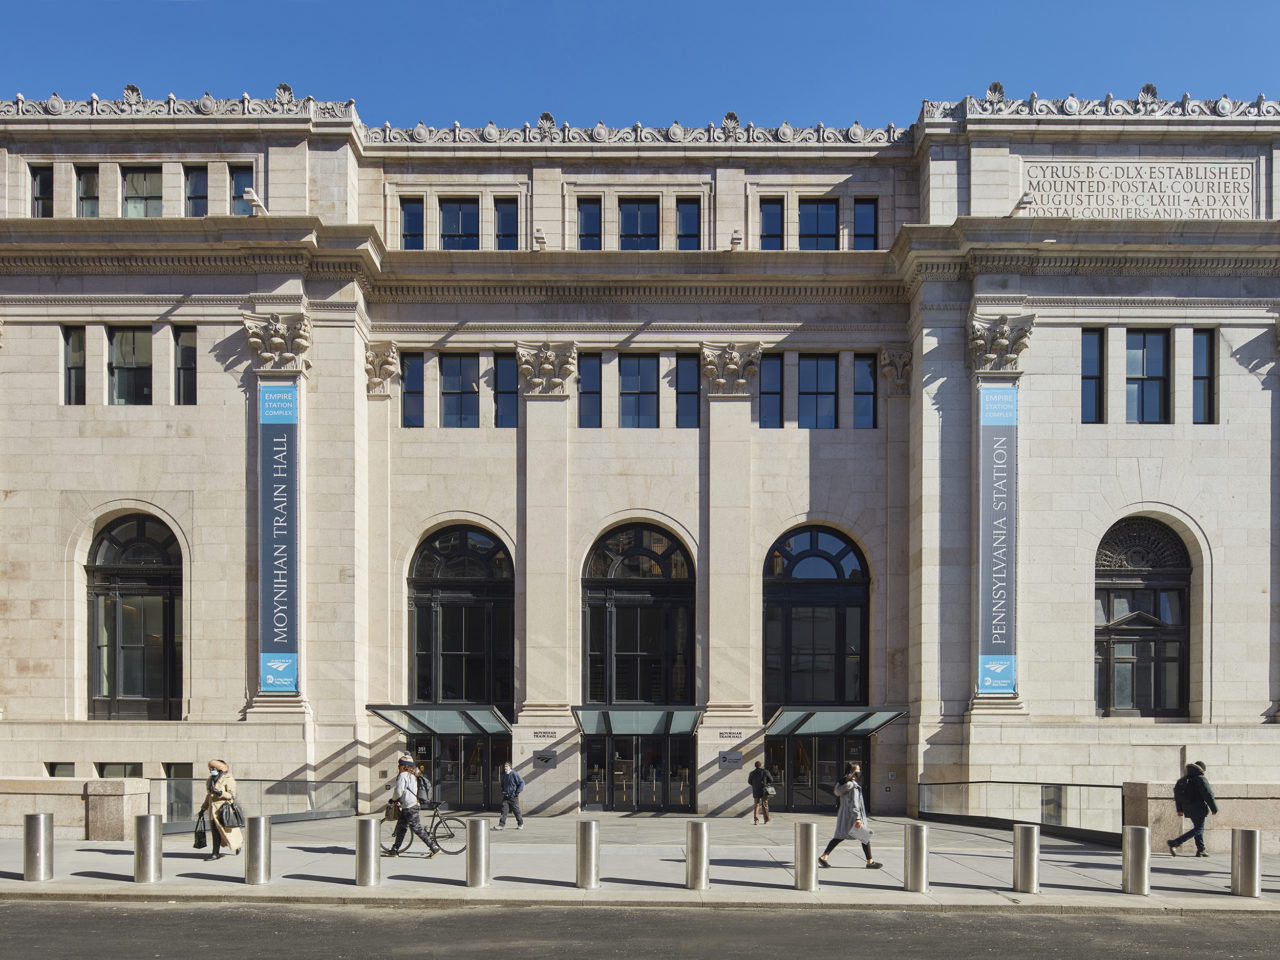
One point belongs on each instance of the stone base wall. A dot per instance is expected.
(82, 809)
(1255, 806)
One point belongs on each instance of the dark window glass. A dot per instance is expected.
(817, 389)
(1203, 364)
(589, 390)
(73, 366)
(129, 364)
(459, 224)
(770, 224)
(197, 191)
(1147, 377)
(589, 224)
(506, 224)
(864, 391)
(460, 390)
(86, 191)
(411, 390)
(142, 191)
(241, 180)
(1092, 407)
(771, 391)
(865, 215)
(637, 224)
(506, 391)
(42, 191)
(411, 224)
(689, 224)
(637, 390)
(184, 366)
(819, 225)
(688, 389)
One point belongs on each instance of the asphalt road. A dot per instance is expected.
(101, 931)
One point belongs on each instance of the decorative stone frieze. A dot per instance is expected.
(546, 367)
(1146, 104)
(132, 105)
(895, 367)
(730, 367)
(1140, 544)
(381, 366)
(994, 344)
(280, 340)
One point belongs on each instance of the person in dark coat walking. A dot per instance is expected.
(1195, 801)
(760, 781)
(512, 784)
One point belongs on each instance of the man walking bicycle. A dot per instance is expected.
(512, 784)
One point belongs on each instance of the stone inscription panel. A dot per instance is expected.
(1143, 189)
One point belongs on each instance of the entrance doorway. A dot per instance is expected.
(465, 769)
(634, 773)
(805, 770)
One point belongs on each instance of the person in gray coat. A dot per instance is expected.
(852, 822)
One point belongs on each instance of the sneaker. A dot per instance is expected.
(432, 851)
(874, 865)
(766, 819)
(499, 827)
(1202, 853)
(519, 826)
(823, 863)
(1173, 848)
(391, 853)
(755, 823)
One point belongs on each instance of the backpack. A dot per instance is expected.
(1181, 793)
(424, 789)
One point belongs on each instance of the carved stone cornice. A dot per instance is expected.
(895, 367)
(1125, 264)
(132, 105)
(1147, 104)
(730, 367)
(605, 291)
(546, 367)
(381, 366)
(996, 342)
(280, 340)
(128, 263)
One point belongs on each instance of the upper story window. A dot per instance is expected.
(638, 390)
(129, 365)
(819, 225)
(589, 232)
(506, 224)
(241, 180)
(589, 378)
(42, 191)
(865, 216)
(818, 392)
(688, 223)
(197, 191)
(459, 224)
(771, 391)
(411, 224)
(1092, 394)
(73, 366)
(142, 191)
(864, 391)
(460, 390)
(86, 191)
(771, 224)
(506, 391)
(1203, 369)
(637, 224)
(688, 389)
(1147, 376)
(184, 366)
(411, 390)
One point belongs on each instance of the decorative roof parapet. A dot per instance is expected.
(1146, 104)
(131, 105)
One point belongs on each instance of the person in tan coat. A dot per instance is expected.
(221, 791)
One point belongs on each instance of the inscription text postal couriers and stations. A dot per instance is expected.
(1119, 191)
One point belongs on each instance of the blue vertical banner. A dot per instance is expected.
(278, 538)
(997, 539)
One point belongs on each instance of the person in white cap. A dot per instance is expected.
(406, 794)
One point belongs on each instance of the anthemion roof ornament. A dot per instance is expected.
(280, 340)
(730, 366)
(1147, 103)
(546, 367)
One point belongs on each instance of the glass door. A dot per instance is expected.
(651, 773)
(680, 778)
(802, 772)
(594, 785)
(829, 768)
(775, 761)
(475, 768)
(623, 773)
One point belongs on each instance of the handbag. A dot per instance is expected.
(861, 834)
(391, 812)
(202, 835)
(231, 816)
(770, 790)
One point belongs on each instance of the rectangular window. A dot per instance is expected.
(129, 365)
(771, 391)
(73, 366)
(819, 225)
(410, 224)
(506, 224)
(55, 769)
(637, 224)
(817, 392)
(770, 224)
(86, 191)
(865, 215)
(184, 366)
(688, 389)
(638, 390)
(506, 391)
(589, 390)
(1204, 366)
(1147, 376)
(111, 771)
(142, 191)
(1092, 405)
(241, 180)
(42, 191)
(460, 390)
(459, 224)
(411, 390)
(589, 224)
(689, 224)
(864, 391)
(197, 189)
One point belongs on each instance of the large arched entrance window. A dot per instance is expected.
(135, 621)
(1142, 581)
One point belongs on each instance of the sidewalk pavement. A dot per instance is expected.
(642, 863)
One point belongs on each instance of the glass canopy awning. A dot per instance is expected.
(831, 721)
(417, 718)
(638, 720)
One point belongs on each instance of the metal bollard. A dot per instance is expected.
(588, 854)
(806, 856)
(1136, 871)
(37, 846)
(147, 848)
(368, 868)
(697, 872)
(915, 878)
(1026, 858)
(1246, 862)
(257, 853)
(477, 852)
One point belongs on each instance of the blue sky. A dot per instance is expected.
(652, 61)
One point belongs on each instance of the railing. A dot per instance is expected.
(178, 800)
(1083, 811)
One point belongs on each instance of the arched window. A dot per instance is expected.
(638, 605)
(135, 621)
(461, 594)
(815, 621)
(1142, 579)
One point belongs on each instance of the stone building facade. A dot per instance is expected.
(636, 455)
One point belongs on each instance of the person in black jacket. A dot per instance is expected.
(760, 781)
(1195, 801)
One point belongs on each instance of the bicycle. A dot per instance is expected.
(449, 833)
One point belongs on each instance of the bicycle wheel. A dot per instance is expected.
(387, 836)
(451, 834)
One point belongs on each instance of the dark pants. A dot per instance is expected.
(409, 821)
(1196, 831)
(510, 805)
(836, 841)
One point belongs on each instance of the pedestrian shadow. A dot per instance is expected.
(345, 851)
(445, 881)
(315, 878)
(543, 882)
(751, 863)
(99, 875)
(212, 876)
(109, 853)
(185, 856)
(643, 883)
(718, 881)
